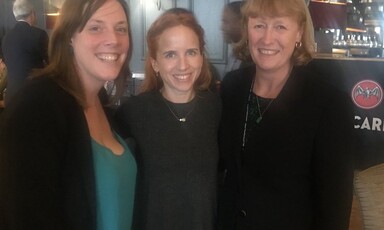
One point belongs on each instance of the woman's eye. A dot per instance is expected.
(192, 52)
(122, 30)
(169, 55)
(94, 28)
(259, 26)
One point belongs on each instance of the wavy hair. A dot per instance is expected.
(278, 8)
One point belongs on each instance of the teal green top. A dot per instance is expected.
(115, 186)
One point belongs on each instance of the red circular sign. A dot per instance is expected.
(367, 94)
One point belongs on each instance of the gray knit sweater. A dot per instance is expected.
(177, 161)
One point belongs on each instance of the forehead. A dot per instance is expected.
(111, 9)
(177, 36)
(275, 8)
(278, 19)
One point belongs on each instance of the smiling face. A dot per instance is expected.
(179, 61)
(272, 42)
(100, 49)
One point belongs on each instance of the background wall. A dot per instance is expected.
(143, 12)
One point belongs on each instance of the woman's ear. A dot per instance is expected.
(299, 34)
(154, 64)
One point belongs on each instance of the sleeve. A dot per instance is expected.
(333, 166)
(227, 189)
(32, 149)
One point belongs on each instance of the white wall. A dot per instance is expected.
(208, 12)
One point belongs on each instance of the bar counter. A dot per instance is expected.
(362, 79)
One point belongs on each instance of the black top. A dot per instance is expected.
(46, 165)
(295, 171)
(177, 161)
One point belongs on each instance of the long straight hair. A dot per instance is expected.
(61, 68)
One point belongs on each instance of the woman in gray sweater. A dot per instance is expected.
(174, 123)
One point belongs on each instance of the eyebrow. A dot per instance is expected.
(102, 22)
(193, 49)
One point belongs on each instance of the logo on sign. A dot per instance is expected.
(367, 94)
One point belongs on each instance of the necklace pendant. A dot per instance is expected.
(183, 119)
(259, 119)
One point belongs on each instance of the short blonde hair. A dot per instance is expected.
(275, 8)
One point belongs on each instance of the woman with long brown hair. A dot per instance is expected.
(61, 164)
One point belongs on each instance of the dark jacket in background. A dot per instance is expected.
(24, 48)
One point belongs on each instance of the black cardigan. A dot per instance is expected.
(296, 171)
(46, 166)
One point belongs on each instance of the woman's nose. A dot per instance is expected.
(267, 36)
(183, 63)
(111, 38)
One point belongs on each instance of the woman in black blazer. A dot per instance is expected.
(285, 137)
(61, 164)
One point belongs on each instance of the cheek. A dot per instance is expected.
(291, 42)
(253, 37)
(80, 47)
(81, 53)
(126, 45)
(166, 66)
(198, 61)
(198, 64)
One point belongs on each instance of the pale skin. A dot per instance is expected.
(100, 51)
(271, 43)
(179, 62)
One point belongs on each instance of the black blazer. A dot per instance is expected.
(296, 170)
(24, 48)
(46, 165)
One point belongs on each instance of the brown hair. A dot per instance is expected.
(73, 17)
(172, 18)
(275, 8)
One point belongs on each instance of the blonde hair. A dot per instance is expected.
(275, 8)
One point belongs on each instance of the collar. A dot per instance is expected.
(22, 20)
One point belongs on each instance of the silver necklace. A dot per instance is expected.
(246, 116)
(181, 119)
(258, 120)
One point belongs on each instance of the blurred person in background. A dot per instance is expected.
(25, 47)
(232, 28)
